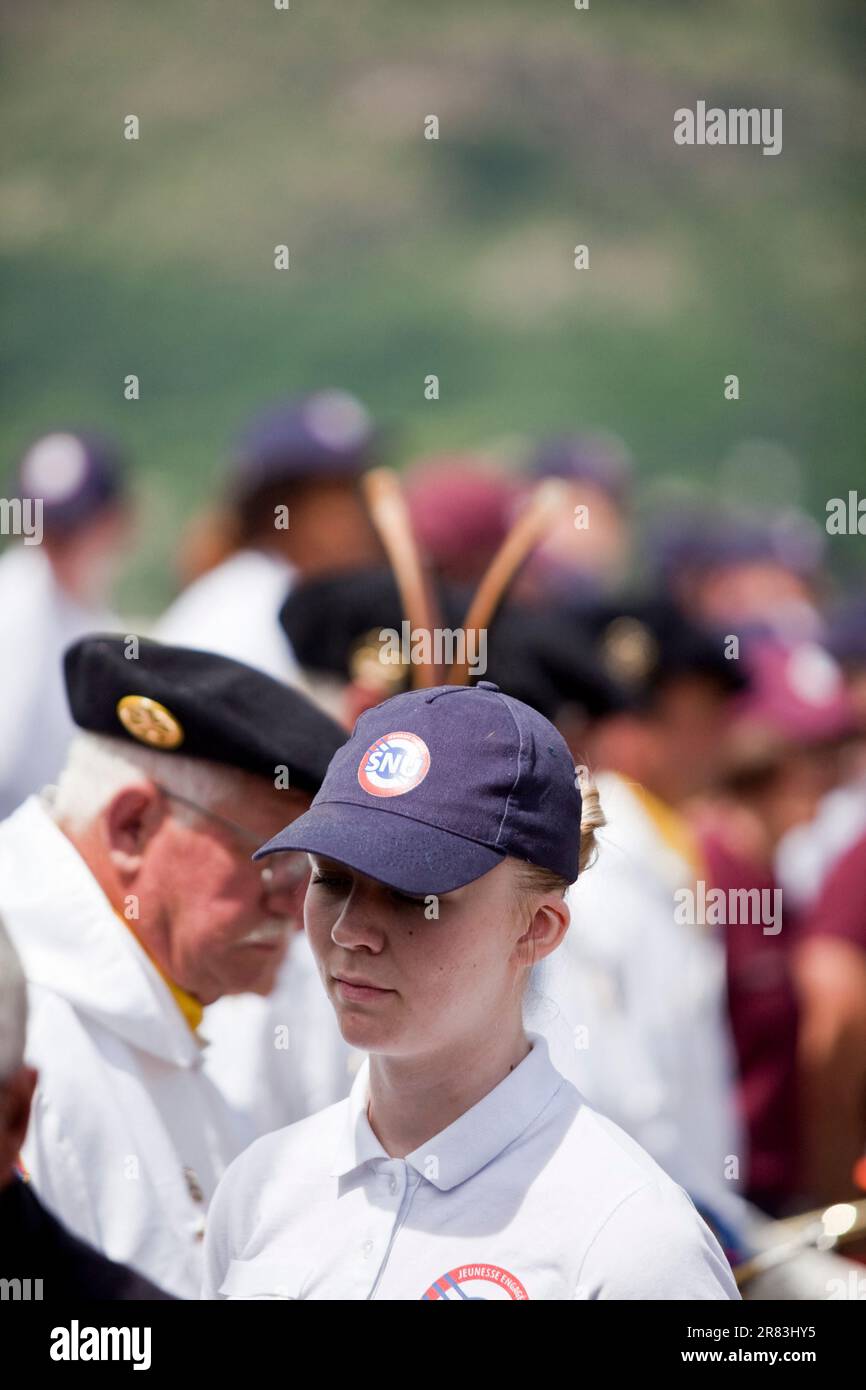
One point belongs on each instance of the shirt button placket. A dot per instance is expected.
(391, 1177)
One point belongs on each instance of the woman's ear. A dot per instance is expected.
(550, 918)
(130, 820)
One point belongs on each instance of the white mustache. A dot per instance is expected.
(270, 931)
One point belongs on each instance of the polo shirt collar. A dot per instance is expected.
(473, 1140)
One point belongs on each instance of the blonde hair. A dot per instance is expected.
(533, 880)
(592, 818)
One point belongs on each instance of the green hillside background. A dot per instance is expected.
(411, 256)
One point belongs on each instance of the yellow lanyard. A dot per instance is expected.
(673, 828)
(189, 1006)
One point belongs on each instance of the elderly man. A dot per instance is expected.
(133, 903)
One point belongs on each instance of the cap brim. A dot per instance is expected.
(401, 853)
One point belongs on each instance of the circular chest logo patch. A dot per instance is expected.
(487, 1283)
(394, 764)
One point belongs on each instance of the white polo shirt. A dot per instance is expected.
(529, 1194)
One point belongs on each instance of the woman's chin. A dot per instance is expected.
(365, 1032)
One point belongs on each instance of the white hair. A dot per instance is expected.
(98, 767)
(13, 1008)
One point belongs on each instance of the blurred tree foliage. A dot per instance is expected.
(411, 256)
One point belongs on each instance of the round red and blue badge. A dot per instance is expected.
(394, 764)
(484, 1283)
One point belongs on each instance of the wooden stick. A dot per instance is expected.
(390, 516)
(545, 504)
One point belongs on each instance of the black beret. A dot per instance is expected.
(325, 616)
(546, 659)
(538, 656)
(644, 642)
(173, 699)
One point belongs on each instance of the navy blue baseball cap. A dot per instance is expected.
(76, 475)
(695, 540)
(600, 459)
(326, 434)
(436, 787)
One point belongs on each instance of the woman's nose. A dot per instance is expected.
(359, 923)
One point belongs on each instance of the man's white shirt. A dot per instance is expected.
(633, 1007)
(38, 621)
(807, 853)
(233, 610)
(528, 1195)
(128, 1136)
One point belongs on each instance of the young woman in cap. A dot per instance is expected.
(463, 1165)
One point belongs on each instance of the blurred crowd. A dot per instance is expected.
(701, 661)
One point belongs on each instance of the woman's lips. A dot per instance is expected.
(355, 992)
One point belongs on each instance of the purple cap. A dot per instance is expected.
(699, 540)
(600, 459)
(75, 476)
(327, 434)
(435, 787)
(846, 636)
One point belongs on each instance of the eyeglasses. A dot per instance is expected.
(292, 868)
